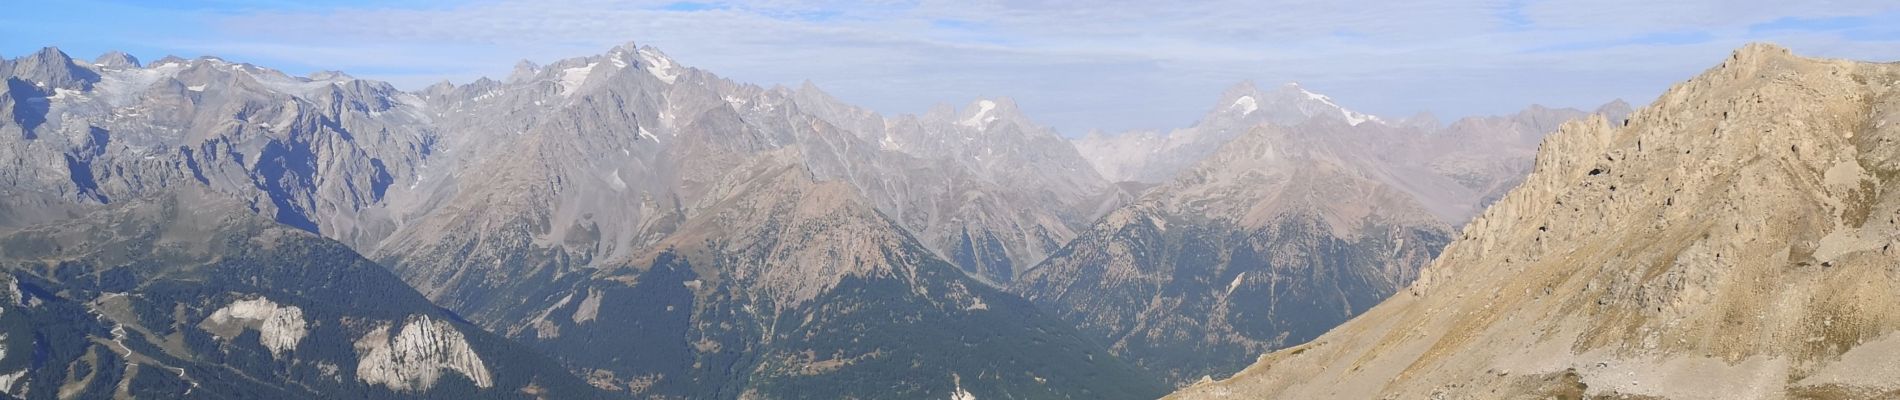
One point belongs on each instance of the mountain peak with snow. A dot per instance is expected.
(1313, 104)
(657, 63)
(1288, 104)
(983, 113)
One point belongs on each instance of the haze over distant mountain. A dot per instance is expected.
(1154, 157)
(1281, 234)
(1309, 217)
(1481, 156)
(1731, 240)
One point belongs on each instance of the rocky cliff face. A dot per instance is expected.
(1277, 237)
(415, 357)
(188, 294)
(1731, 238)
(319, 154)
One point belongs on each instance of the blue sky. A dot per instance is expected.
(1113, 65)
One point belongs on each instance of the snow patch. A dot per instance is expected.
(280, 328)
(572, 78)
(293, 86)
(889, 143)
(61, 94)
(195, 88)
(1246, 105)
(415, 358)
(982, 118)
(1236, 284)
(121, 87)
(1352, 117)
(660, 66)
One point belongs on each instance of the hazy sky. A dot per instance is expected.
(1076, 65)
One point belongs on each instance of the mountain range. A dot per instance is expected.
(622, 225)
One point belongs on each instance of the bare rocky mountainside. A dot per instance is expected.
(791, 287)
(1731, 240)
(192, 295)
(1280, 235)
(582, 177)
(661, 231)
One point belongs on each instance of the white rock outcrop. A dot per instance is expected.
(416, 356)
(280, 327)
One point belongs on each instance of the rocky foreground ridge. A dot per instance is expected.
(1732, 240)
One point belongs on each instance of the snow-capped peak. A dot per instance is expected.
(1352, 117)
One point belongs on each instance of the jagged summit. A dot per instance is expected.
(53, 69)
(628, 47)
(117, 59)
(524, 70)
(168, 59)
(1733, 237)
